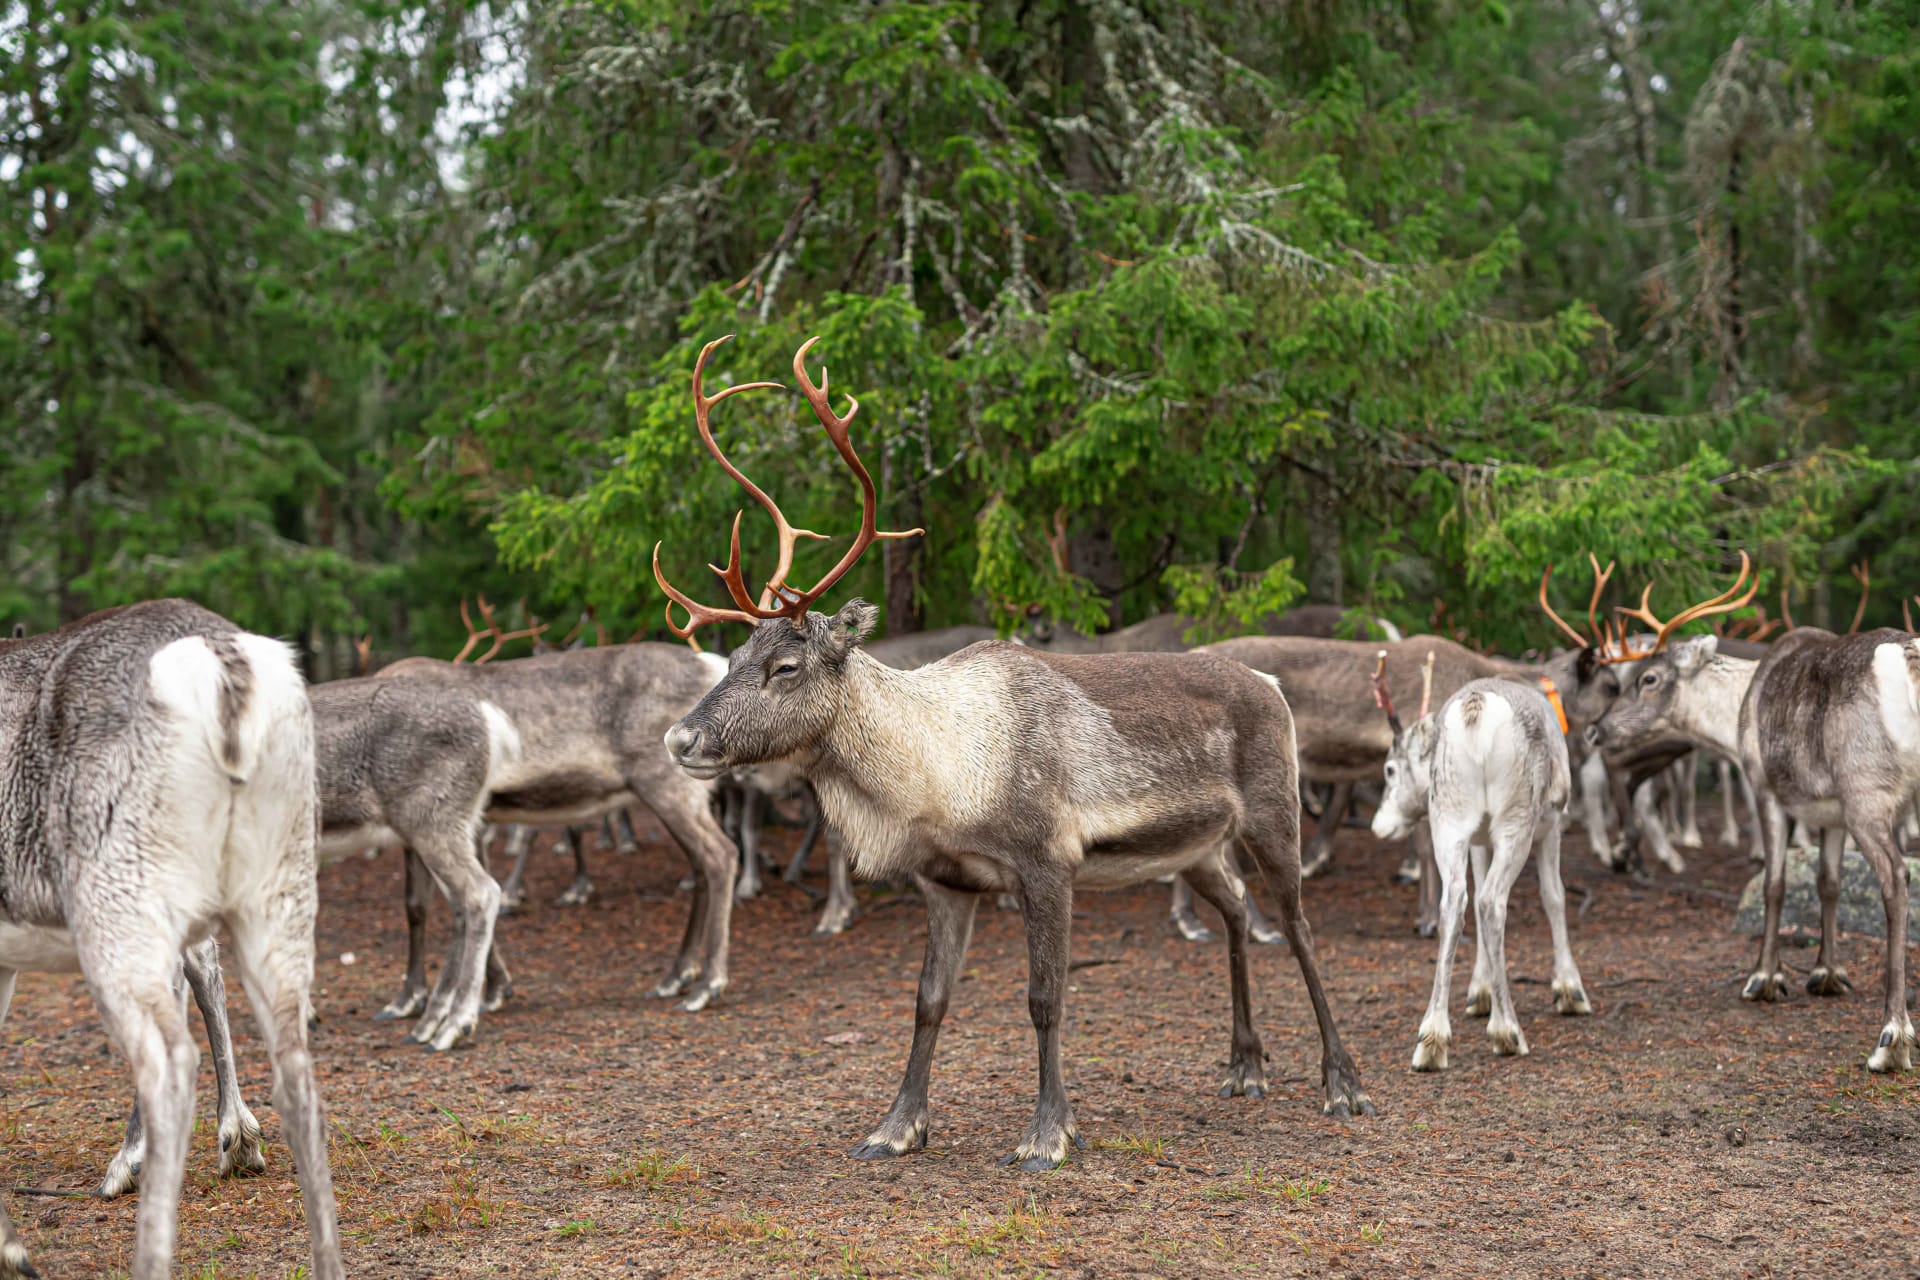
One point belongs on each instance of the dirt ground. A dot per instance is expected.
(592, 1131)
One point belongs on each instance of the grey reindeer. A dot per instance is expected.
(1004, 770)
(1490, 769)
(587, 723)
(1828, 730)
(156, 783)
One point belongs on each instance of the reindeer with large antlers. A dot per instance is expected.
(1605, 656)
(1829, 730)
(1001, 769)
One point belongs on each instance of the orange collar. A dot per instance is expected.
(1552, 690)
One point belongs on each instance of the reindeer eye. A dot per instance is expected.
(786, 669)
(1649, 680)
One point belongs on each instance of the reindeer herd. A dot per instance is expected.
(165, 774)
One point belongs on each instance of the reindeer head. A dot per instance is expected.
(1644, 709)
(783, 687)
(1409, 768)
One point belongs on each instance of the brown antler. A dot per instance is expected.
(1786, 613)
(777, 599)
(363, 647)
(1864, 578)
(499, 637)
(1426, 685)
(1558, 621)
(1380, 698)
(474, 634)
(1722, 603)
(1906, 614)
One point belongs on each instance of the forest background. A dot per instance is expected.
(331, 313)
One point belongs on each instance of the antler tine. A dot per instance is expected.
(1426, 687)
(785, 534)
(698, 615)
(1380, 697)
(1786, 612)
(1559, 621)
(1906, 614)
(474, 635)
(795, 603)
(1864, 578)
(500, 638)
(1600, 577)
(1722, 603)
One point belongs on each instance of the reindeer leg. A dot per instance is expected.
(1729, 824)
(1227, 893)
(1511, 843)
(1480, 986)
(413, 992)
(1450, 854)
(582, 887)
(1259, 928)
(701, 969)
(1767, 982)
(1275, 847)
(625, 841)
(838, 913)
(1894, 1050)
(14, 1263)
(1185, 922)
(1047, 897)
(950, 915)
(1569, 993)
(1829, 977)
(748, 886)
(1427, 920)
(1595, 780)
(1319, 855)
(453, 1011)
(513, 894)
(1757, 846)
(239, 1132)
(798, 867)
(1686, 781)
(1646, 808)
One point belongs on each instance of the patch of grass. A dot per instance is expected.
(1374, 1234)
(1252, 1181)
(653, 1173)
(1139, 1143)
(459, 1204)
(573, 1228)
(1023, 1223)
(728, 1228)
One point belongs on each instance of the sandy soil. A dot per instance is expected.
(589, 1130)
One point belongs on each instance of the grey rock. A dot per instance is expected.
(1861, 910)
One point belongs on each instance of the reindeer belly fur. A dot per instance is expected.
(37, 948)
(338, 842)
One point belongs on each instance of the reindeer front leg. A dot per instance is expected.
(1047, 894)
(949, 928)
(1215, 881)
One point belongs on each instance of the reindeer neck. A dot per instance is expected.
(1707, 707)
(910, 744)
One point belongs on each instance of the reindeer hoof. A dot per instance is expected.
(1317, 865)
(893, 1138)
(407, 1004)
(673, 984)
(1508, 1041)
(701, 996)
(1427, 928)
(1188, 926)
(1895, 1050)
(1430, 1051)
(14, 1262)
(1270, 936)
(1570, 998)
(576, 895)
(1768, 987)
(1828, 982)
(241, 1153)
(1244, 1080)
(1480, 1002)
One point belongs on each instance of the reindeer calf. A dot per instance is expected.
(1492, 762)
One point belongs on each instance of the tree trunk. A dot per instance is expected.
(1326, 580)
(902, 557)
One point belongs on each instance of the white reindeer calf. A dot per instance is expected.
(1492, 765)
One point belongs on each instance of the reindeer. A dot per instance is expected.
(157, 782)
(1492, 763)
(1828, 728)
(586, 721)
(1003, 769)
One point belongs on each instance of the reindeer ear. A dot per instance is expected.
(854, 623)
(1692, 654)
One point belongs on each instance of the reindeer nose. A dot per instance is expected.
(684, 743)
